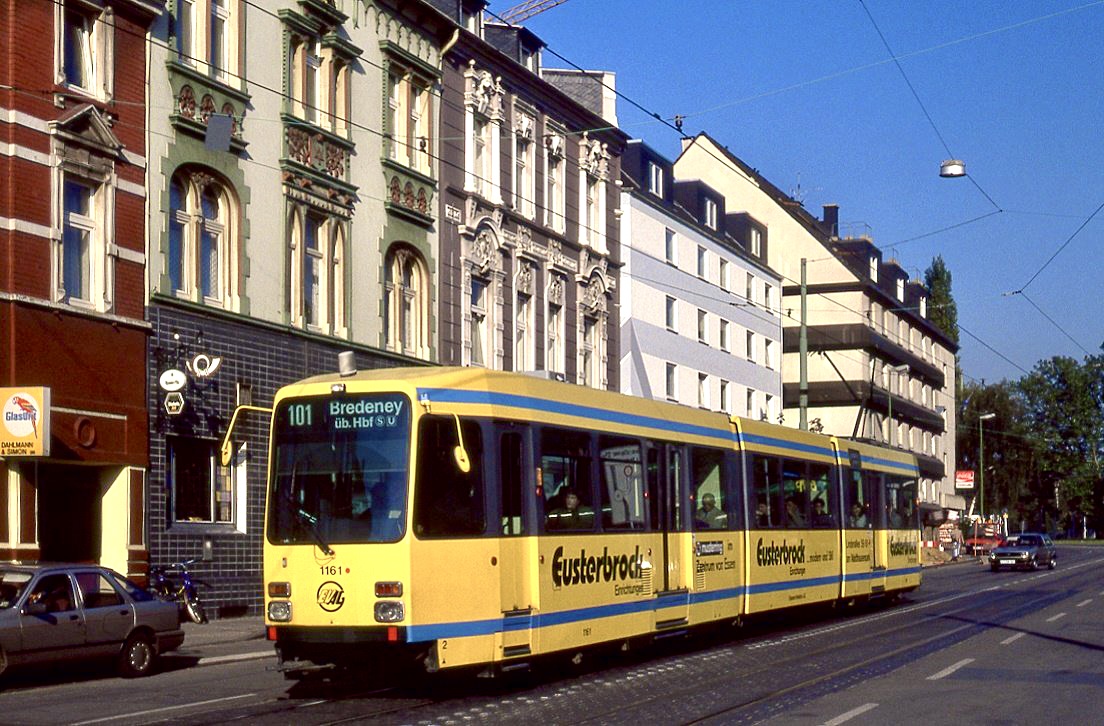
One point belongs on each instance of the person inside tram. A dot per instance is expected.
(794, 515)
(762, 517)
(573, 514)
(857, 518)
(821, 517)
(708, 516)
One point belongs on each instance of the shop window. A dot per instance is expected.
(201, 490)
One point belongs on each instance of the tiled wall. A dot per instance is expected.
(265, 357)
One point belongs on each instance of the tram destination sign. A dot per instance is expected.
(25, 422)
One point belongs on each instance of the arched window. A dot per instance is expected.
(316, 246)
(406, 302)
(202, 260)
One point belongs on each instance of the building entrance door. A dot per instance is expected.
(69, 513)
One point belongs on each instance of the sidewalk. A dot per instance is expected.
(225, 640)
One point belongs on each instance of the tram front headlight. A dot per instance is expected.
(279, 611)
(390, 611)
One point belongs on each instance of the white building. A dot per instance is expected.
(878, 368)
(700, 319)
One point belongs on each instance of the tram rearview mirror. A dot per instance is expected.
(463, 461)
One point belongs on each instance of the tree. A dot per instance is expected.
(942, 310)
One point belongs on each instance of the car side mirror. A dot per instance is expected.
(35, 608)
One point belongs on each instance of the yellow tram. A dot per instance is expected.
(466, 517)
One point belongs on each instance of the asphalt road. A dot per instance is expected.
(969, 645)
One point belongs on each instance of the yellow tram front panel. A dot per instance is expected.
(338, 590)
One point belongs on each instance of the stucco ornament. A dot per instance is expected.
(556, 290)
(524, 283)
(483, 249)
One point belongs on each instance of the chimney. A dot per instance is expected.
(831, 219)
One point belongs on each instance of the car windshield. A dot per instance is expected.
(1027, 542)
(12, 583)
(340, 470)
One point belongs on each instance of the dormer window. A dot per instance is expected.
(873, 268)
(472, 20)
(710, 213)
(655, 179)
(900, 289)
(755, 242)
(529, 60)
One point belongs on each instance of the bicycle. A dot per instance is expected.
(185, 594)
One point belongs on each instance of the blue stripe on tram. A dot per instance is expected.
(564, 617)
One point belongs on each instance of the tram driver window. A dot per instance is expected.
(447, 501)
(767, 498)
(709, 499)
(566, 480)
(622, 486)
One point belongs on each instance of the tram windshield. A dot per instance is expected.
(340, 470)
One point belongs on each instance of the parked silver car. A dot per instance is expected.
(55, 612)
(1029, 550)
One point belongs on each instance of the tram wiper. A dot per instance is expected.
(312, 524)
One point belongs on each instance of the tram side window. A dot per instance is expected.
(566, 480)
(795, 493)
(708, 492)
(622, 485)
(447, 501)
(766, 485)
(854, 500)
(822, 495)
(512, 475)
(900, 496)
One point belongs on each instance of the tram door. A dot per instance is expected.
(673, 587)
(517, 546)
(875, 490)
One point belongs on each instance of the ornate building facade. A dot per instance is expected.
(529, 244)
(72, 291)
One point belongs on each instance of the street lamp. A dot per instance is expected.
(981, 462)
(903, 368)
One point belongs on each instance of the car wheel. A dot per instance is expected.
(994, 568)
(138, 656)
(195, 611)
(1034, 563)
(1053, 563)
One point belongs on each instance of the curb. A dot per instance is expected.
(220, 659)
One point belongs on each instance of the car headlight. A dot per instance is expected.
(390, 611)
(279, 611)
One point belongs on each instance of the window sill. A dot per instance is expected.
(200, 528)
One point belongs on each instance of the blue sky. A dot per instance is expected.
(807, 93)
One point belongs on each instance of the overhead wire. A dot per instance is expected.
(439, 159)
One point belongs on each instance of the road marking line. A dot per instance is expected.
(1012, 638)
(844, 717)
(950, 669)
(1055, 617)
(166, 708)
(1083, 603)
